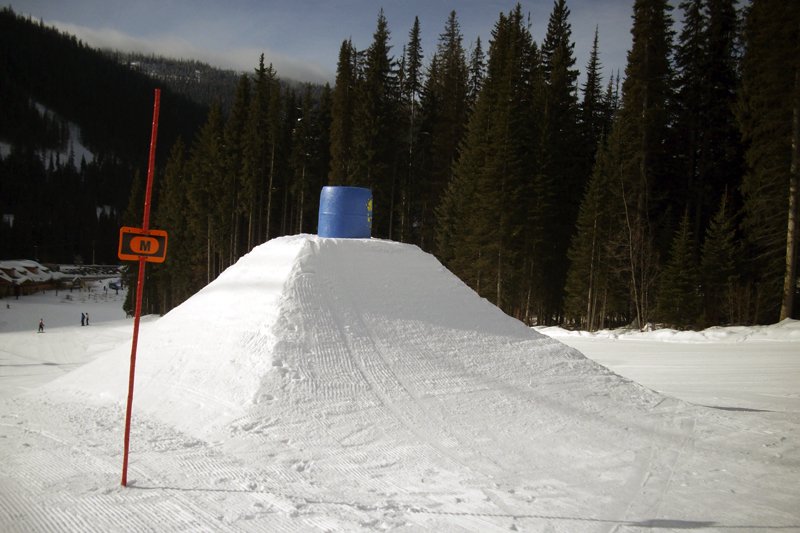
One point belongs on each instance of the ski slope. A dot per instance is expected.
(357, 385)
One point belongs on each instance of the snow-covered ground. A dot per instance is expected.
(727, 368)
(357, 385)
(27, 361)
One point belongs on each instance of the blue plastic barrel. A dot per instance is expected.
(345, 213)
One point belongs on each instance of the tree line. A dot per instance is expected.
(665, 195)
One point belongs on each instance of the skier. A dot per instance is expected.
(87, 319)
(41, 325)
(83, 319)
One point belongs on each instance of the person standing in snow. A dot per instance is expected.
(83, 319)
(87, 319)
(41, 325)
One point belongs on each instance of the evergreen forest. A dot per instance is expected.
(665, 194)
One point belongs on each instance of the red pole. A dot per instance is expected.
(151, 162)
(140, 285)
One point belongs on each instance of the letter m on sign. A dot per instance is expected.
(136, 243)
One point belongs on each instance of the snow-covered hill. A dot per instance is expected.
(357, 385)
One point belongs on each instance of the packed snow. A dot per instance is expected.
(755, 367)
(357, 385)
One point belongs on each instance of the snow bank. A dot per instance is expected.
(786, 330)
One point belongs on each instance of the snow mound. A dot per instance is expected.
(305, 318)
(786, 330)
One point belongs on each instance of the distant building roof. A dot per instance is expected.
(21, 271)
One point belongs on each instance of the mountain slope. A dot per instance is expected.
(111, 103)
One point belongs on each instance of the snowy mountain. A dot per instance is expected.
(357, 385)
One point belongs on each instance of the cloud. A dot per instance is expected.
(238, 58)
(246, 59)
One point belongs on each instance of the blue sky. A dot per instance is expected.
(301, 38)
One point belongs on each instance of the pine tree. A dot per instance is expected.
(481, 215)
(322, 161)
(709, 147)
(236, 166)
(342, 171)
(679, 298)
(592, 117)
(413, 76)
(257, 150)
(412, 85)
(587, 283)
(719, 268)
(445, 118)
(565, 162)
(723, 165)
(477, 72)
(303, 140)
(768, 111)
(274, 132)
(691, 61)
(597, 288)
(423, 214)
(610, 103)
(284, 185)
(207, 216)
(172, 215)
(642, 174)
(375, 131)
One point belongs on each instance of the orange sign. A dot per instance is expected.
(136, 243)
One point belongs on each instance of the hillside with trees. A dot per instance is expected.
(665, 194)
(197, 81)
(58, 94)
